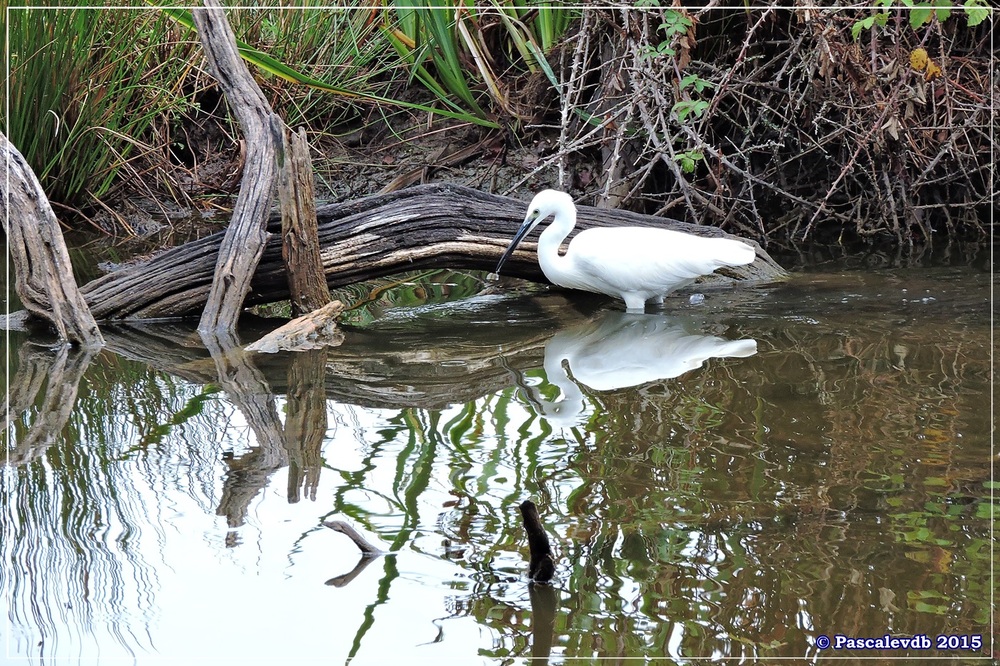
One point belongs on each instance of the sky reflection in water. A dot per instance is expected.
(732, 478)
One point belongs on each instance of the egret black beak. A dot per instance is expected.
(526, 227)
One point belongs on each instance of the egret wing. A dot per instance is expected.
(644, 258)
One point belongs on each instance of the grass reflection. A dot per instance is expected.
(835, 481)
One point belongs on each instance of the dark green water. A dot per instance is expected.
(734, 478)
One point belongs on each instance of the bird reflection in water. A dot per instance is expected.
(619, 350)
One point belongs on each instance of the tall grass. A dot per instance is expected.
(85, 88)
(468, 56)
(99, 97)
(341, 47)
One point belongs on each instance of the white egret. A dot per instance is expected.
(620, 350)
(636, 264)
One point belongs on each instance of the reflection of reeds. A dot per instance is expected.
(709, 526)
(75, 510)
(824, 478)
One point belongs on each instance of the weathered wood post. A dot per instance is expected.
(43, 274)
(299, 229)
(246, 235)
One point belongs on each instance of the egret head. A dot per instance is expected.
(545, 203)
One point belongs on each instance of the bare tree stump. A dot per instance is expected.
(542, 565)
(43, 274)
(299, 235)
(246, 236)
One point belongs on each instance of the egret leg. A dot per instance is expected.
(634, 302)
(658, 300)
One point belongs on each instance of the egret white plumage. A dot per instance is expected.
(636, 264)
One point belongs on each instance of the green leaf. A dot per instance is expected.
(863, 24)
(922, 607)
(688, 160)
(683, 109)
(984, 511)
(665, 49)
(976, 12)
(931, 507)
(926, 594)
(919, 16)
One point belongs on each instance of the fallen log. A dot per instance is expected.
(426, 226)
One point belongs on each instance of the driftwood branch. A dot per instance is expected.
(427, 226)
(367, 549)
(244, 240)
(43, 274)
(315, 330)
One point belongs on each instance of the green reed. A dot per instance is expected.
(85, 89)
(451, 48)
(99, 97)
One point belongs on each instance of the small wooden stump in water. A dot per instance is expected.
(300, 249)
(315, 330)
(542, 565)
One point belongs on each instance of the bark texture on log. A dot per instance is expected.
(43, 274)
(299, 236)
(244, 240)
(426, 226)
